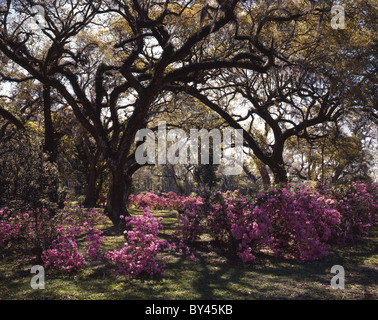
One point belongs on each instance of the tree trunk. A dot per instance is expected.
(91, 194)
(169, 178)
(187, 186)
(277, 164)
(100, 183)
(50, 146)
(280, 174)
(263, 173)
(50, 143)
(119, 191)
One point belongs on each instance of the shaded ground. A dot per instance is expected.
(209, 276)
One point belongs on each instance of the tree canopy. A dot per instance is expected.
(93, 73)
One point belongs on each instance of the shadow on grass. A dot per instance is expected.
(219, 277)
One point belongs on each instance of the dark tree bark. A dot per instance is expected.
(119, 189)
(91, 195)
(120, 186)
(50, 144)
(280, 174)
(263, 173)
(95, 170)
(11, 118)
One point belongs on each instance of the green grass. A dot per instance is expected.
(209, 276)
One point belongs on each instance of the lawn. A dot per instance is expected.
(209, 276)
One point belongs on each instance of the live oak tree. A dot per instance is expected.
(112, 83)
(114, 62)
(224, 90)
(311, 82)
(285, 106)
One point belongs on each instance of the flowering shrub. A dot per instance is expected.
(139, 255)
(145, 200)
(53, 236)
(225, 210)
(93, 243)
(250, 229)
(169, 201)
(64, 251)
(302, 222)
(190, 226)
(358, 206)
(33, 229)
(293, 222)
(190, 219)
(237, 224)
(63, 254)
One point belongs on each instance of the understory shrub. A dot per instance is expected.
(357, 203)
(64, 253)
(5, 227)
(169, 201)
(190, 221)
(53, 236)
(298, 222)
(32, 230)
(139, 254)
(301, 222)
(238, 225)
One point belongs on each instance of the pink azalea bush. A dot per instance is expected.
(145, 200)
(64, 253)
(294, 222)
(30, 229)
(190, 221)
(301, 222)
(139, 254)
(166, 201)
(358, 207)
(53, 236)
(297, 222)
(237, 224)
